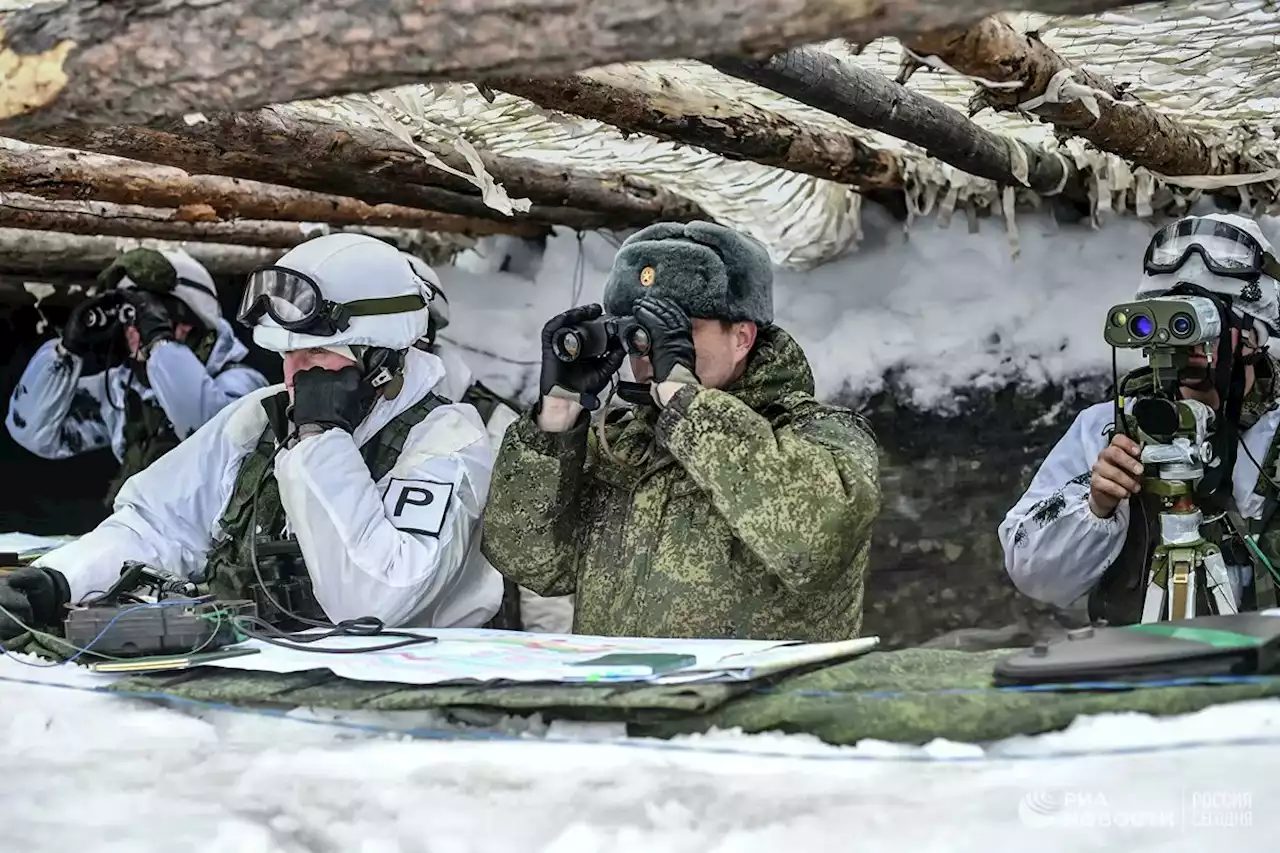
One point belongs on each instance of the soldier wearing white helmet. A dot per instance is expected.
(352, 491)
(522, 608)
(138, 368)
(1084, 526)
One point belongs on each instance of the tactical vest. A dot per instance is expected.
(229, 569)
(148, 433)
(1119, 596)
(486, 401)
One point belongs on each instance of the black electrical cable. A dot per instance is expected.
(364, 626)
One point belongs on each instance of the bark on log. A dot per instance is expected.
(281, 147)
(18, 210)
(58, 174)
(869, 99)
(129, 61)
(36, 252)
(635, 102)
(994, 50)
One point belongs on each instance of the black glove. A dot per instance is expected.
(580, 381)
(92, 325)
(35, 596)
(150, 317)
(330, 398)
(670, 339)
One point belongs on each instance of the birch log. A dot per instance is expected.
(130, 61)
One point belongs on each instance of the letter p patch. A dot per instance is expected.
(417, 506)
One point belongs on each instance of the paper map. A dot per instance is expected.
(478, 655)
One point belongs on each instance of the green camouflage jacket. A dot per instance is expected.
(743, 513)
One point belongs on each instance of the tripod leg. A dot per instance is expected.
(1153, 606)
(1183, 597)
(1220, 585)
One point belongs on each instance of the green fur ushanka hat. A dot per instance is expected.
(710, 271)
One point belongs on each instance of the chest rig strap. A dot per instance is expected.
(254, 522)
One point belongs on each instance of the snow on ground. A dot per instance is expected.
(944, 307)
(93, 772)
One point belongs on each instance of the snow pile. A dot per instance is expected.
(103, 773)
(935, 309)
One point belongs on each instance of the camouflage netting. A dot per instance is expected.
(1210, 63)
(910, 696)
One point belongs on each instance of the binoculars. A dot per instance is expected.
(593, 338)
(110, 309)
(1185, 321)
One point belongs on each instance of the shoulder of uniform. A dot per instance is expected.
(834, 426)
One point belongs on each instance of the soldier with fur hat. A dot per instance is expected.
(728, 502)
(138, 368)
(1084, 527)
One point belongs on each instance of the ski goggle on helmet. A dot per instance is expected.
(1225, 249)
(295, 302)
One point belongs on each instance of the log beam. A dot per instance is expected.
(18, 210)
(868, 99)
(994, 50)
(72, 175)
(37, 252)
(638, 102)
(283, 146)
(130, 61)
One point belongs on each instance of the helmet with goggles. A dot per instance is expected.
(336, 290)
(1225, 254)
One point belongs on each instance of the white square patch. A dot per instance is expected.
(417, 506)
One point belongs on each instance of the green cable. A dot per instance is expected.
(1261, 556)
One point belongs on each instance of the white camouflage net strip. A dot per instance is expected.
(1209, 63)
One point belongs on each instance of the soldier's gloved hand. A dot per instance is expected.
(35, 596)
(670, 340)
(579, 381)
(91, 325)
(330, 398)
(150, 317)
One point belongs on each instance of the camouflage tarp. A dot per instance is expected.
(909, 696)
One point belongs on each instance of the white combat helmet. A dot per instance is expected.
(1200, 249)
(190, 281)
(439, 307)
(337, 291)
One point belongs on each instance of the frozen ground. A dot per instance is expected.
(91, 772)
(940, 307)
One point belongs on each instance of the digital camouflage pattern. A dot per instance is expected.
(743, 513)
(908, 696)
(146, 268)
